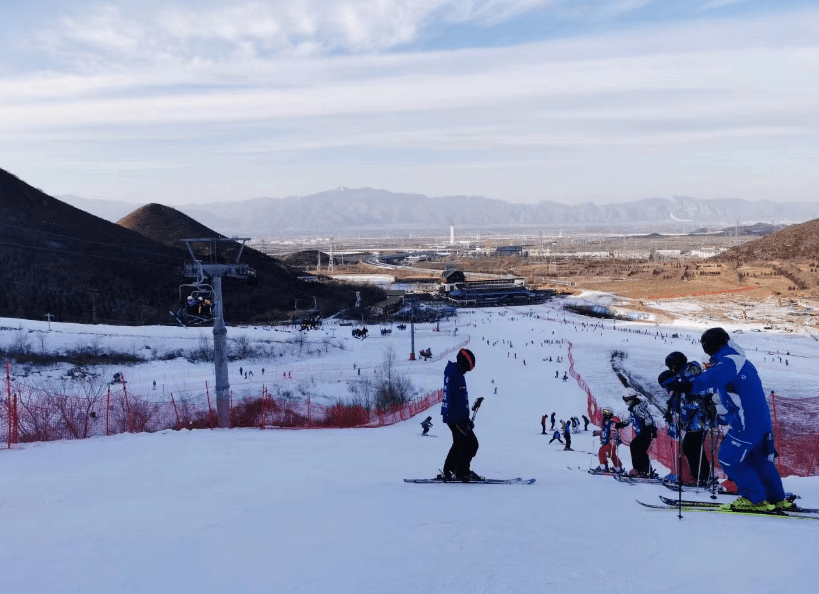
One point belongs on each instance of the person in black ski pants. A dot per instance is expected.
(426, 424)
(585, 423)
(455, 412)
(567, 433)
(552, 419)
(645, 430)
(696, 414)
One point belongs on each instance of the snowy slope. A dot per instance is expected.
(327, 511)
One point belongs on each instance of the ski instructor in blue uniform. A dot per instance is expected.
(747, 452)
(455, 411)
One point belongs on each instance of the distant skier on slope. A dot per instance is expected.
(609, 440)
(426, 424)
(455, 412)
(567, 433)
(747, 453)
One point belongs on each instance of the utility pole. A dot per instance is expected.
(49, 316)
(93, 293)
(200, 271)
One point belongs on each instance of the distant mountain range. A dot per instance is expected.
(345, 211)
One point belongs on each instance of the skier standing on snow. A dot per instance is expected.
(609, 440)
(543, 424)
(585, 423)
(644, 429)
(697, 414)
(747, 453)
(455, 411)
(426, 424)
(567, 433)
(552, 418)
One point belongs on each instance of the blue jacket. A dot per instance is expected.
(737, 383)
(696, 415)
(608, 432)
(455, 405)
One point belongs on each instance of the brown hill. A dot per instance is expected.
(56, 259)
(794, 243)
(275, 288)
(165, 225)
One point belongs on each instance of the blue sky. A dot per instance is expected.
(520, 100)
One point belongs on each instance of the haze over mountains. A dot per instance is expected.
(349, 211)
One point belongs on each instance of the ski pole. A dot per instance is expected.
(476, 406)
(679, 455)
(699, 464)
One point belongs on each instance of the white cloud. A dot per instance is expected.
(721, 3)
(650, 94)
(284, 27)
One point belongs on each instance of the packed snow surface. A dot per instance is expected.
(326, 511)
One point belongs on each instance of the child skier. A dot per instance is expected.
(645, 430)
(609, 440)
(567, 433)
(693, 413)
(556, 436)
(455, 411)
(426, 424)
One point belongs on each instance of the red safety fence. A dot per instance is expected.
(795, 427)
(47, 413)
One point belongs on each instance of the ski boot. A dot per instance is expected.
(745, 505)
(470, 477)
(785, 505)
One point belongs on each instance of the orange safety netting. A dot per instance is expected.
(795, 428)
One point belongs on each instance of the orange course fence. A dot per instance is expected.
(795, 428)
(44, 413)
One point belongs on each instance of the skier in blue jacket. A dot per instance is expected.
(455, 412)
(693, 413)
(747, 452)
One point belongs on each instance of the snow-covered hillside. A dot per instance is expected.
(327, 511)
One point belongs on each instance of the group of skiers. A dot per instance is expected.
(747, 452)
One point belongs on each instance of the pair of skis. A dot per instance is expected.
(486, 481)
(800, 513)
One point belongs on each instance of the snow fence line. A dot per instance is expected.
(795, 428)
(36, 414)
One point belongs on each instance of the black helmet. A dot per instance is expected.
(666, 375)
(676, 361)
(466, 359)
(713, 339)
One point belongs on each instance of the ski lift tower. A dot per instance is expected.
(201, 271)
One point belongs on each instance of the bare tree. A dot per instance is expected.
(243, 346)
(20, 344)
